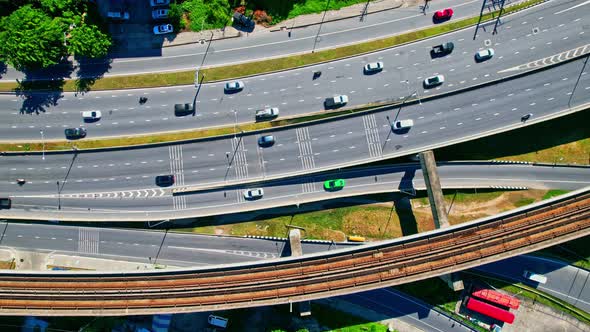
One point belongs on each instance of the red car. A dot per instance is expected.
(444, 14)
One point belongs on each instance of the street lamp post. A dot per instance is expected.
(235, 124)
(413, 94)
(42, 143)
(320, 28)
(58, 196)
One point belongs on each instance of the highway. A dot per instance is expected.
(256, 46)
(153, 204)
(177, 249)
(565, 282)
(295, 92)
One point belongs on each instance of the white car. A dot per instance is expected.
(373, 67)
(484, 54)
(159, 2)
(163, 29)
(160, 14)
(433, 81)
(402, 124)
(234, 86)
(267, 113)
(91, 115)
(253, 193)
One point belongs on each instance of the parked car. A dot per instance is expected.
(165, 180)
(234, 86)
(267, 113)
(75, 133)
(444, 14)
(267, 140)
(118, 16)
(253, 193)
(91, 115)
(155, 3)
(163, 29)
(5, 203)
(442, 49)
(433, 81)
(184, 109)
(336, 101)
(242, 20)
(484, 55)
(332, 185)
(402, 124)
(159, 14)
(373, 67)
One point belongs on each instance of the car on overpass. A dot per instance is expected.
(402, 125)
(433, 81)
(267, 113)
(336, 101)
(333, 185)
(91, 116)
(234, 86)
(255, 193)
(442, 49)
(484, 55)
(373, 67)
(75, 133)
(444, 14)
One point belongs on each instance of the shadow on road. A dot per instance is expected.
(90, 71)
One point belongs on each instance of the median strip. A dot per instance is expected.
(257, 67)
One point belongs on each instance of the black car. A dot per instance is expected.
(183, 109)
(242, 20)
(5, 203)
(165, 180)
(442, 49)
(75, 133)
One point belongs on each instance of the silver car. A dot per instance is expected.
(402, 124)
(253, 193)
(433, 81)
(267, 140)
(267, 113)
(234, 86)
(163, 29)
(484, 55)
(373, 67)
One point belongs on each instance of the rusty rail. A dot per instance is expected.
(297, 280)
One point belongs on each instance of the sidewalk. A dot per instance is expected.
(358, 10)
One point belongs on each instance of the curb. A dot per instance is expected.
(335, 19)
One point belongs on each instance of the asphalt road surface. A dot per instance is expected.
(564, 281)
(263, 45)
(161, 204)
(177, 249)
(541, 32)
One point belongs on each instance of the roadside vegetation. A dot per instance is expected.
(575, 252)
(38, 34)
(259, 67)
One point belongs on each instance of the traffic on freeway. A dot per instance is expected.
(296, 92)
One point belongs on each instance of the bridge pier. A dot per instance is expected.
(304, 307)
(435, 195)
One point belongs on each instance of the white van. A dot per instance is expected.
(118, 16)
(218, 321)
(534, 277)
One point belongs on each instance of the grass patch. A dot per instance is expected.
(260, 67)
(554, 192)
(576, 252)
(8, 265)
(524, 201)
(338, 321)
(545, 299)
(561, 140)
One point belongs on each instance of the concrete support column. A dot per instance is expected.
(296, 250)
(435, 195)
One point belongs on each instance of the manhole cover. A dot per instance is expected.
(487, 42)
(535, 31)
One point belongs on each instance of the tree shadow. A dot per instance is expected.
(89, 72)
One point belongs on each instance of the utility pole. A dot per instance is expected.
(43, 143)
(320, 28)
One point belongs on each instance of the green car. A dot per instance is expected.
(331, 185)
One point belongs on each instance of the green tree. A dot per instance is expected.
(62, 8)
(31, 39)
(88, 41)
(207, 14)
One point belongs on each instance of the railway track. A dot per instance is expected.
(291, 281)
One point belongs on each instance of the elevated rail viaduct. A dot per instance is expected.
(343, 271)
